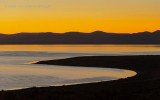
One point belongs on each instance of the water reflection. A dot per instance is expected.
(83, 48)
(15, 72)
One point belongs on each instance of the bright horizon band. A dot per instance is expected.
(119, 16)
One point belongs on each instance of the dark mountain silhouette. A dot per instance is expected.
(97, 37)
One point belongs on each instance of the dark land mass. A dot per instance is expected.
(97, 37)
(144, 86)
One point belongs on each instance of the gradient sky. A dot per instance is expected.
(79, 15)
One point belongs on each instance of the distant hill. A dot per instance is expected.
(97, 37)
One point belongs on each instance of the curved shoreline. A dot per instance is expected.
(143, 86)
(130, 72)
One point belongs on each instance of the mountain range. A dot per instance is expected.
(97, 37)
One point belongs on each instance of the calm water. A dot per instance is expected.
(16, 70)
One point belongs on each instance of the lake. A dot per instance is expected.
(17, 70)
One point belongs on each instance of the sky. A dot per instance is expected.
(119, 16)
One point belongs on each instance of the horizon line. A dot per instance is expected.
(79, 32)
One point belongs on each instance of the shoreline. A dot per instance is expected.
(76, 83)
(143, 86)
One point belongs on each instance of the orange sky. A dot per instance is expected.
(123, 16)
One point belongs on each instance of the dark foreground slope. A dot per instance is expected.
(144, 86)
(97, 37)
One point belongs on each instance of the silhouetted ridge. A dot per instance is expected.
(99, 32)
(96, 37)
(157, 32)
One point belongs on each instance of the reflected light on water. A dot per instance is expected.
(82, 48)
(67, 72)
(16, 72)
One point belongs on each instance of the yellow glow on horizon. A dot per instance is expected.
(120, 16)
